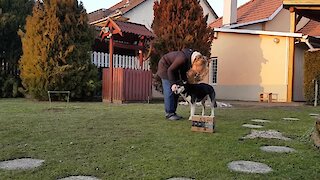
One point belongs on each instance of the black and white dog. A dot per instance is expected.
(193, 93)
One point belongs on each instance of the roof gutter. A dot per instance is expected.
(256, 32)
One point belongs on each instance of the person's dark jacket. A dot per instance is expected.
(174, 65)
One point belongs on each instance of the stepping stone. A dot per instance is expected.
(270, 134)
(180, 178)
(80, 178)
(252, 126)
(313, 114)
(21, 164)
(278, 149)
(291, 119)
(260, 120)
(249, 167)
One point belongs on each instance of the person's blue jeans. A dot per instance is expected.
(170, 99)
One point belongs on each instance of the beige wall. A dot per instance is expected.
(250, 64)
(281, 22)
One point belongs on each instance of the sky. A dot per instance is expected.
(92, 5)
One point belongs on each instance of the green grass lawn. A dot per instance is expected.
(134, 141)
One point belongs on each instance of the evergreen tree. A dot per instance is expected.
(56, 48)
(12, 18)
(179, 24)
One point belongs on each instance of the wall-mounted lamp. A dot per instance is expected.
(276, 40)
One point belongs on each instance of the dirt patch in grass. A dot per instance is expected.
(56, 109)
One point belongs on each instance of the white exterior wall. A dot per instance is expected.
(143, 13)
(206, 11)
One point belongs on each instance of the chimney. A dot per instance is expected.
(229, 12)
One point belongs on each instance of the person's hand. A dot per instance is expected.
(174, 87)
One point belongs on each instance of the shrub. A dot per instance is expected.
(9, 86)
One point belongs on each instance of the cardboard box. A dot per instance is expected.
(203, 123)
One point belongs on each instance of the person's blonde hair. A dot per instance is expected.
(199, 69)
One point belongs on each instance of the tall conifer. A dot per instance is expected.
(179, 24)
(56, 48)
(12, 18)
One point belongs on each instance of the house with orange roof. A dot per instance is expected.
(252, 46)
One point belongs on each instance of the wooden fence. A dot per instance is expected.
(101, 59)
(9, 68)
(130, 82)
(128, 85)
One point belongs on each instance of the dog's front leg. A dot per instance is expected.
(203, 103)
(192, 110)
(212, 110)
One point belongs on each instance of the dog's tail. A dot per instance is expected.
(212, 97)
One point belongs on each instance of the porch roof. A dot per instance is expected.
(134, 28)
(306, 8)
(121, 27)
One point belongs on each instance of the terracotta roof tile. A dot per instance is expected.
(134, 28)
(253, 10)
(126, 5)
(312, 28)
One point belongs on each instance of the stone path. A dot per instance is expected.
(270, 134)
(80, 178)
(21, 164)
(291, 119)
(249, 167)
(256, 167)
(260, 120)
(313, 114)
(278, 149)
(252, 126)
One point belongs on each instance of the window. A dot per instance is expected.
(213, 70)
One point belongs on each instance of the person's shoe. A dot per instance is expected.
(179, 116)
(169, 115)
(174, 117)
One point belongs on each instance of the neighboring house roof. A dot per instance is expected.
(126, 5)
(98, 14)
(312, 28)
(210, 9)
(252, 12)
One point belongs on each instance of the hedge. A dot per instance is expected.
(311, 72)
